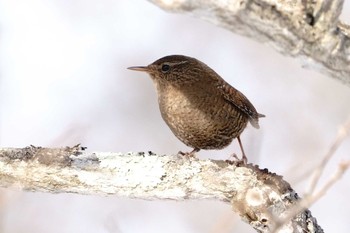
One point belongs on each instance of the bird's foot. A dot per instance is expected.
(189, 154)
(244, 159)
(234, 158)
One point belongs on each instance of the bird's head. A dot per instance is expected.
(175, 70)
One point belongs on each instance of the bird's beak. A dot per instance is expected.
(139, 68)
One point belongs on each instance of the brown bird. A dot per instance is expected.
(201, 108)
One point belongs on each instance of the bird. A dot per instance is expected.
(200, 108)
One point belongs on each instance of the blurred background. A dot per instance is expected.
(63, 81)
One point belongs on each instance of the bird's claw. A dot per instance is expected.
(235, 158)
(189, 154)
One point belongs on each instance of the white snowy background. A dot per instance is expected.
(63, 81)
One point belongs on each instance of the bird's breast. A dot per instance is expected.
(200, 118)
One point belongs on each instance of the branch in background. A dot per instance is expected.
(311, 197)
(343, 132)
(256, 195)
(308, 29)
(308, 200)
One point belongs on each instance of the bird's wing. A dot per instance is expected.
(239, 100)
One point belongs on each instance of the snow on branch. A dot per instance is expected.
(257, 195)
(309, 29)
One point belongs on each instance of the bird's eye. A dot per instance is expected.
(165, 68)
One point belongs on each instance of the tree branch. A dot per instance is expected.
(256, 195)
(305, 28)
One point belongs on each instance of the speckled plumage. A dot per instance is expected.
(201, 109)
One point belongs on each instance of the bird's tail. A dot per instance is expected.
(255, 121)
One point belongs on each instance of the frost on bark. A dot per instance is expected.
(257, 195)
(309, 29)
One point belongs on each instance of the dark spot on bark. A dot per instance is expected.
(310, 19)
(151, 153)
(162, 177)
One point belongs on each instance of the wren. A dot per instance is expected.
(200, 108)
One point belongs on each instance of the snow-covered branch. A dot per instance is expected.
(309, 29)
(257, 195)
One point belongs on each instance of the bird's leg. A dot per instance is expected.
(244, 158)
(189, 154)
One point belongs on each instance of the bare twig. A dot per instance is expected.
(343, 132)
(316, 172)
(312, 197)
(309, 200)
